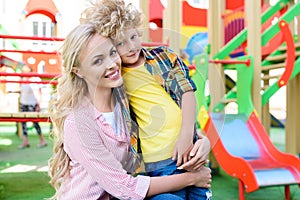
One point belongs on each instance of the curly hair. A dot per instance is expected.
(112, 17)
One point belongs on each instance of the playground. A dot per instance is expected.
(243, 55)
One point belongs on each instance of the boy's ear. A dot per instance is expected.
(75, 70)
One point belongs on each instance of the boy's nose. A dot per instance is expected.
(131, 45)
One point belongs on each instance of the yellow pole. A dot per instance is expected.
(292, 127)
(172, 17)
(144, 6)
(253, 21)
(215, 72)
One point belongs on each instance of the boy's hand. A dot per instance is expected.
(198, 154)
(182, 150)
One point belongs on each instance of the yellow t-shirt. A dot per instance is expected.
(158, 116)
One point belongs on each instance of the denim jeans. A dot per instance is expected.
(189, 193)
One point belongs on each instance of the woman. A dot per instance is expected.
(91, 157)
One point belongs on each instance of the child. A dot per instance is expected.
(92, 157)
(30, 97)
(161, 95)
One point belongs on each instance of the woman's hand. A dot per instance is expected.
(198, 154)
(202, 178)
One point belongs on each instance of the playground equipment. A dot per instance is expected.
(47, 78)
(240, 143)
(272, 38)
(27, 116)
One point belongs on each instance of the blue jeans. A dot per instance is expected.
(189, 193)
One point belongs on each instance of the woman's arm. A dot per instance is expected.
(176, 182)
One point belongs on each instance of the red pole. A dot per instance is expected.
(31, 74)
(31, 38)
(28, 51)
(247, 62)
(152, 44)
(28, 82)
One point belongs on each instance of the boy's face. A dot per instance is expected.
(129, 47)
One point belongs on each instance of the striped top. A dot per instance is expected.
(98, 159)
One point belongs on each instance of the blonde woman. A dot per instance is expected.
(161, 95)
(91, 158)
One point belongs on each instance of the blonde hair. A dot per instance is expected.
(112, 17)
(69, 92)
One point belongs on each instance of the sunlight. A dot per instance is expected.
(42, 169)
(24, 168)
(5, 142)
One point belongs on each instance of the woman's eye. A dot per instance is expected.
(113, 53)
(98, 62)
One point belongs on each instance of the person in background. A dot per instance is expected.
(92, 130)
(161, 95)
(30, 98)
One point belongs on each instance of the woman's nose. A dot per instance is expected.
(114, 62)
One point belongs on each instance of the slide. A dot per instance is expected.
(243, 149)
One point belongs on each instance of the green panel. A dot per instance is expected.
(274, 88)
(296, 68)
(200, 78)
(13, 42)
(269, 92)
(244, 86)
(221, 105)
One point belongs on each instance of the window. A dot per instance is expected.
(35, 26)
(203, 4)
(44, 24)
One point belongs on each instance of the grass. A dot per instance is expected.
(23, 173)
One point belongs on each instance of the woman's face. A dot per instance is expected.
(100, 64)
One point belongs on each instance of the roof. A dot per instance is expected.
(45, 7)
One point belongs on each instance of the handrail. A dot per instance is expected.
(273, 30)
(29, 51)
(145, 44)
(31, 38)
(242, 36)
(289, 66)
(291, 55)
(30, 74)
(247, 62)
(28, 82)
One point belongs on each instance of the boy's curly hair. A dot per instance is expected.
(112, 17)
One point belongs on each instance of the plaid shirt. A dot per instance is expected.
(137, 165)
(170, 71)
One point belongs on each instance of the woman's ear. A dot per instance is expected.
(75, 70)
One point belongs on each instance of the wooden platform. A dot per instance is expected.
(24, 117)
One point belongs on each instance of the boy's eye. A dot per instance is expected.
(120, 44)
(133, 37)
